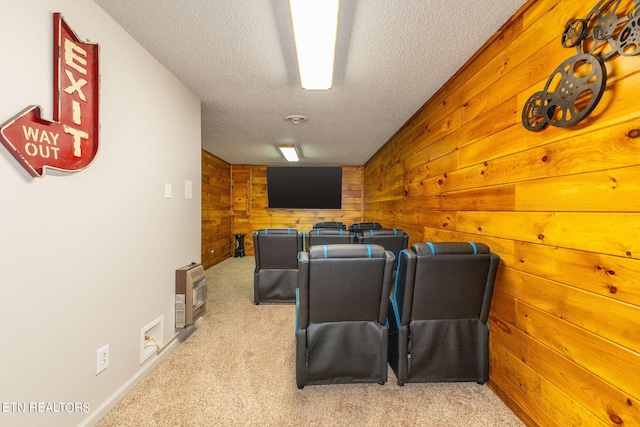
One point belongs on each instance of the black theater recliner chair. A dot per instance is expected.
(275, 278)
(329, 224)
(362, 226)
(392, 239)
(341, 309)
(328, 236)
(438, 312)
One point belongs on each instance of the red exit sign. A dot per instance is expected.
(70, 141)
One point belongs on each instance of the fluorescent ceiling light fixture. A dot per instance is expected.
(289, 152)
(315, 28)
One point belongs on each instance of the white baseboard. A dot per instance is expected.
(107, 405)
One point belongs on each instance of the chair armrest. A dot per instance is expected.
(488, 291)
(302, 293)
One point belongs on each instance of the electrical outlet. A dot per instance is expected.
(102, 359)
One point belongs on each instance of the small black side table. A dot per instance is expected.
(239, 246)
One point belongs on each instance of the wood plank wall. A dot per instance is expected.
(561, 207)
(250, 210)
(216, 214)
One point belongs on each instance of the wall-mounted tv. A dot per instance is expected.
(304, 187)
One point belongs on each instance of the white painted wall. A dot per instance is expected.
(89, 258)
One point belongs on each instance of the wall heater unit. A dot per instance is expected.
(191, 294)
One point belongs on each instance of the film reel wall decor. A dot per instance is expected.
(575, 87)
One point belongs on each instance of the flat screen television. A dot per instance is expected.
(304, 187)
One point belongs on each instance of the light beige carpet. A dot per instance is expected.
(238, 369)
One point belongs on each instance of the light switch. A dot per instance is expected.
(167, 191)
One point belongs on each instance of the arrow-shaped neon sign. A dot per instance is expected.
(70, 142)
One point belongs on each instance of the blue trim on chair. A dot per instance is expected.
(341, 231)
(266, 231)
(395, 232)
(396, 314)
(369, 250)
(371, 232)
(395, 285)
(394, 298)
(433, 249)
(475, 248)
(326, 251)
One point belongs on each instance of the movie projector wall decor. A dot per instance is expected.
(576, 86)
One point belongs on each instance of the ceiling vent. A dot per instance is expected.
(296, 119)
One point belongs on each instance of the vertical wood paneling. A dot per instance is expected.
(216, 215)
(561, 207)
(254, 196)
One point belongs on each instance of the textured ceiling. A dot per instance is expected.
(238, 58)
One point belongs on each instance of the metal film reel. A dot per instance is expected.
(629, 39)
(602, 25)
(574, 89)
(575, 31)
(534, 112)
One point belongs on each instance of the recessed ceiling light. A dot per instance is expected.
(315, 27)
(289, 152)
